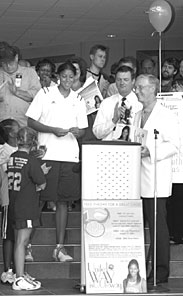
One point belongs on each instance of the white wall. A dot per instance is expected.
(117, 48)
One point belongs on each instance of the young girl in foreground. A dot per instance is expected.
(8, 145)
(25, 178)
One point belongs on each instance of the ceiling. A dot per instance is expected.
(40, 23)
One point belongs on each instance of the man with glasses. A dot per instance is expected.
(159, 122)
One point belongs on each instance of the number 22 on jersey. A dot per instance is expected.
(14, 180)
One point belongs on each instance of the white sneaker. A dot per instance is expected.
(8, 277)
(60, 254)
(28, 253)
(21, 283)
(28, 277)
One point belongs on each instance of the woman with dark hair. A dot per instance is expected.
(125, 133)
(80, 77)
(134, 283)
(97, 101)
(46, 72)
(60, 118)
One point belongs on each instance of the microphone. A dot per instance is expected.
(156, 133)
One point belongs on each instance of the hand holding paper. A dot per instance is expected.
(59, 132)
(75, 131)
(1, 91)
(12, 87)
(144, 151)
(92, 96)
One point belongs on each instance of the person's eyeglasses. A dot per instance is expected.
(140, 87)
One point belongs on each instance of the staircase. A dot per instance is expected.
(176, 257)
(44, 242)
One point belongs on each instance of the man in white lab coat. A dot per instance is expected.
(156, 156)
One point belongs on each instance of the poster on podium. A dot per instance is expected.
(114, 246)
(174, 102)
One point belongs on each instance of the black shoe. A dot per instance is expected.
(150, 281)
(178, 240)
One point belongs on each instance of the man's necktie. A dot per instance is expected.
(122, 104)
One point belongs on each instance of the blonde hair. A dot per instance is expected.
(27, 137)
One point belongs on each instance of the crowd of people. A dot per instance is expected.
(43, 121)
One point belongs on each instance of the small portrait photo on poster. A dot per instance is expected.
(134, 283)
(92, 96)
(97, 101)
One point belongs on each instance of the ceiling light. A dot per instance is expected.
(111, 36)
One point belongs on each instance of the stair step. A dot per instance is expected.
(47, 236)
(44, 253)
(44, 241)
(176, 252)
(52, 270)
(43, 236)
(176, 268)
(48, 219)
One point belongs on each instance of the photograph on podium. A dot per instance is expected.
(130, 133)
(122, 132)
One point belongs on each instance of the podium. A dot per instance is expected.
(109, 169)
(112, 221)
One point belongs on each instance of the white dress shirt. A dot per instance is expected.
(103, 126)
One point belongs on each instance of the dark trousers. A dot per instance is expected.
(174, 211)
(162, 236)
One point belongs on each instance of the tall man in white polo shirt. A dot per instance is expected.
(111, 111)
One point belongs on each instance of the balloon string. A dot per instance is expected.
(160, 60)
